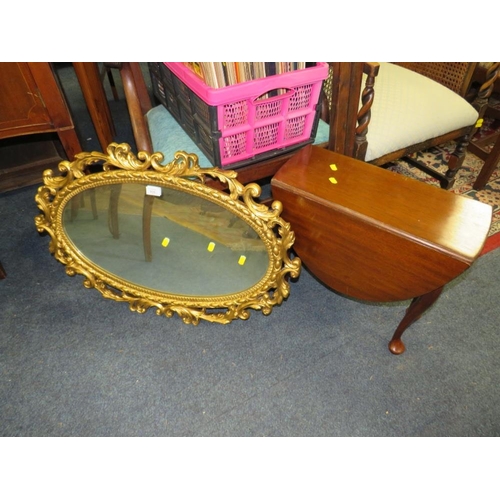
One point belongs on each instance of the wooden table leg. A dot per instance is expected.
(95, 97)
(417, 307)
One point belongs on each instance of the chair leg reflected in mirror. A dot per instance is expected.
(78, 202)
(113, 210)
(113, 220)
(147, 210)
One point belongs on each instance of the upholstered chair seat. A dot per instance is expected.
(409, 109)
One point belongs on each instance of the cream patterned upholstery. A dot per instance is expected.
(410, 108)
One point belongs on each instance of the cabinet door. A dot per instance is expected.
(32, 102)
(22, 109)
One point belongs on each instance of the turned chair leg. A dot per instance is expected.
(446, 180)
(417, 307)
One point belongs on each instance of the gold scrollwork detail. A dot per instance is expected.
(121, 165)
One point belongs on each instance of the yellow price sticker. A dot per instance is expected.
(333, 180)
(165, 242)
(242, 260)
(211, 246)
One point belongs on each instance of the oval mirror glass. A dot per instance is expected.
(176, 237)
(164, 239)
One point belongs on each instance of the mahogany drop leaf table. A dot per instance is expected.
(376, 235)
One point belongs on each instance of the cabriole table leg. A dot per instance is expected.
(417, 307)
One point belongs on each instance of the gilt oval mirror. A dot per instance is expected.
(160, 236)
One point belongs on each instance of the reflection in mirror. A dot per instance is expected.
(159, 236)
(196, 247)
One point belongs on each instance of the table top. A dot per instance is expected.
(374, 234)
(454, 223)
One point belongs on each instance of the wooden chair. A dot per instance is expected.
(383, 112)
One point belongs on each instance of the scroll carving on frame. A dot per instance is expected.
(166, 263)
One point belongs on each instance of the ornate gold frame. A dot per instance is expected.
(185, 174)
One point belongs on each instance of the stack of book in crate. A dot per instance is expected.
(221, 74)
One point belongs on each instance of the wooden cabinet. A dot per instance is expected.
(32, 102)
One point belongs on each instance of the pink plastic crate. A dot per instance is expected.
(236, 124)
